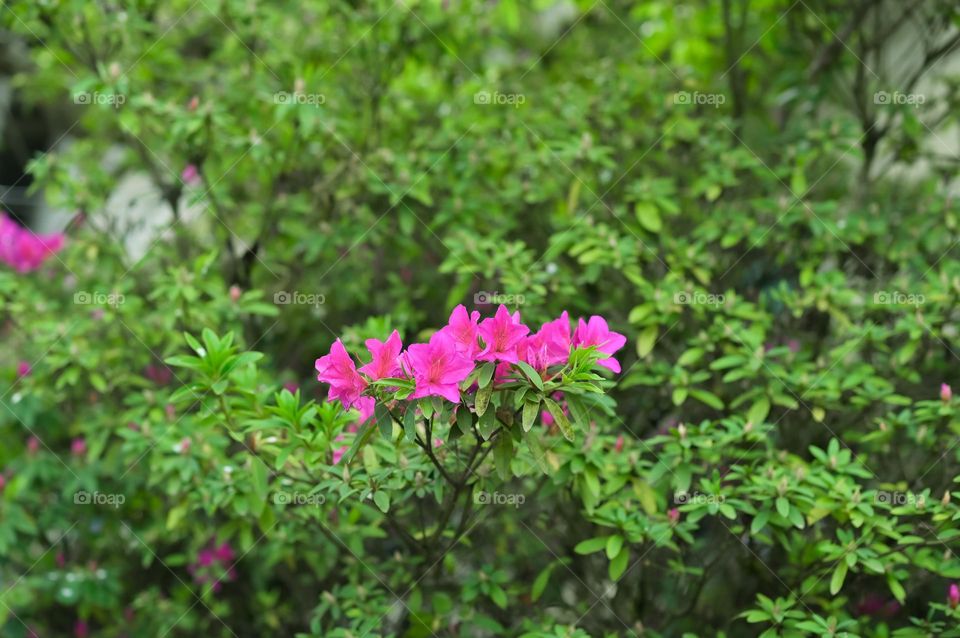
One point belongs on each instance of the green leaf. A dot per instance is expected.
(464, 419)
(614, 545)
(531, 374)
(646, 340)
(619, 564)
(591, 545)
(410, 423)
(540, 583)
(783, 506)
(382, 500)
(649, 216)
(836, 582)
(759, 410)
(384, 420)
(707, 397)
(362, 437)
(759, 521)
(486, 374)
(530, 411)
(896, 588)
(536, 450)
(483, 399)
(560, 418)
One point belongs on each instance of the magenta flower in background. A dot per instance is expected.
(158, 374)
(953, 595)
(463, 328)
(190, 175)
(33, 445)
(596, 333)
(80, 629)
(291, 387)
(438, 368)
(502, 334)
(946, 393)
(23, 369)
(213, 563)
(23, 249)
(338, 369)
(386, 357)
(78, 447)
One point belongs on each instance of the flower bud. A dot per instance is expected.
(953, 596)
(945, 393)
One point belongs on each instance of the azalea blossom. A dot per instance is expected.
(339, 370)
(462, 327)
(550, 345)
(946, 393)
(23, 249)
(502, 334)
(386, 357)
(438, 368)
(596, 333)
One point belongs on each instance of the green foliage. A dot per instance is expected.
(774, 459)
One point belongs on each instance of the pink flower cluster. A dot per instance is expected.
(213, 563)
(24, 250)
(439, 366)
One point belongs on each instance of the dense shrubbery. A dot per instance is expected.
(758, 195)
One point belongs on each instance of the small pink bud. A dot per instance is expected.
(945, 393)
(437, 443)
(674, 516)
(33, 445)
(61, 560)
(618, 446)
(170, 411)
(193, 103)
(190, 174)
(78, 447)
(235, 293)
(97, 314)
(23, 369)
(184, 445)
(3, 483)
(953, 596)
(80, 629)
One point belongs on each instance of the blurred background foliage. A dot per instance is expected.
(760, 194)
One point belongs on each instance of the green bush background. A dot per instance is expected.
(748, 189)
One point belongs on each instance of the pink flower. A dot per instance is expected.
(385, 362)
(78, 447)
(23, 369)
(3, 483)
(438, 368)
(235, 293)
(159, 374)
(190, 174)
(501, 335)
(618, 446)
(673, 516)
(80, 629)
(291, 387)
(463, 329)
(953, 595)
(596, 333)
(339, 452)
(338, 369)
(550, 345)
(23, 249)
(945, 393)
(33, 445)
